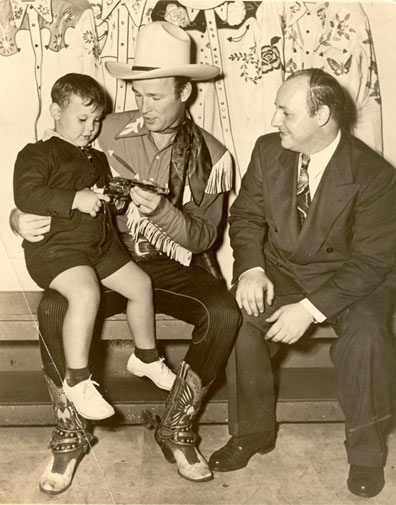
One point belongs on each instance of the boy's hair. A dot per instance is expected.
(82, 85)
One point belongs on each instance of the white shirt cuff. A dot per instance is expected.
(317, 316)
(259, 269)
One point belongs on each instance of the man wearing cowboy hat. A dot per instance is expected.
(167, 235)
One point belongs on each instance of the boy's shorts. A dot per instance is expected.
(46, 264)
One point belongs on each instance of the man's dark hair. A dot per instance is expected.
(324, 89)
(180, 83)
(82, 85)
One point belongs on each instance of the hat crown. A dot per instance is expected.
(161, 45)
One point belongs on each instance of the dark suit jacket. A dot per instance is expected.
(347, 244)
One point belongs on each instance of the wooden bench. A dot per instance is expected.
(306, 376)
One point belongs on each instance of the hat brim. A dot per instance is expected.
(196, 72)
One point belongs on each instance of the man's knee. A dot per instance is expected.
(219, 316)
(365, 321)
(366, 333)
(225, 313)
(52, 304)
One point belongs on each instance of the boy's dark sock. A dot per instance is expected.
(147, 355)
(76, 375)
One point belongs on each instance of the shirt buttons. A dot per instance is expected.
(330, 250)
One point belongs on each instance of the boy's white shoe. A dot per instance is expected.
(157, 371)
(87, 400)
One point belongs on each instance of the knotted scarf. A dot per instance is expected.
(190, 160)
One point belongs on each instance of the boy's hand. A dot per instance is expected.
(89, 202)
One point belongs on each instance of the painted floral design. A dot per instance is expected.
(270, 57)
(7, 46)
(375, 91)
(88, 37)
(236, 13)
(253, 67)
(295, 7)
(341, 28)
(92, 44)
(43, 10)
(321, 13)
(97, 10)
(176, 15)
(56, 42)
(68, 16)
(18, 13)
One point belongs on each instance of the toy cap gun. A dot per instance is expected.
(118, 188)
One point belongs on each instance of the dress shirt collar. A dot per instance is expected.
(322, 158)
(318, 163)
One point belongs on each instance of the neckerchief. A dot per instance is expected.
(190, 160)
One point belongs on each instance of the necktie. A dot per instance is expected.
(303, 194)
(86, 151)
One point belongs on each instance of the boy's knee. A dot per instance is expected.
(144, 285)
(87, 296)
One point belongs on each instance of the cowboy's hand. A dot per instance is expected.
(253, 291)
(146, 201)
(289, 323)
(88, 201)
(30, 227)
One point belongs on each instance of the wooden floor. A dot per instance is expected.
(125, 467)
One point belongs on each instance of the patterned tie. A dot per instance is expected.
(303, 194)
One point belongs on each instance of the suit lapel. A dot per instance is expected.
(335, 191)
(283, 184)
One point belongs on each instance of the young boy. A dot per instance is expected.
(57, 176)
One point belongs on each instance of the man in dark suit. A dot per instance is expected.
(313, 235)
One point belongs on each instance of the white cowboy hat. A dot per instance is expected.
(162, 50)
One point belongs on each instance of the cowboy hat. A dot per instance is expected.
(162, 50)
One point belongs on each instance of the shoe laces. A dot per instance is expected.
(164, 368)
(90, 392)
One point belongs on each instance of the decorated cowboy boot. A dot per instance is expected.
(70, 441)
(175, 434)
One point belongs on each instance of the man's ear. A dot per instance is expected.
(186, 92)
(323, 115)
(55, 111)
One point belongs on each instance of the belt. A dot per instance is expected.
(140, 249)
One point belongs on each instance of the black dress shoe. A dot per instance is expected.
(366, 481)
(238, 450)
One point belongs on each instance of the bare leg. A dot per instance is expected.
(135, 285)
(81, 288)
(79, 285)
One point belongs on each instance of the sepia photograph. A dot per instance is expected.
(198, 252)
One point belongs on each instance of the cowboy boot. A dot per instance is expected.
(175, 434)
(69, 443)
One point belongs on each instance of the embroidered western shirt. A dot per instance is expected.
(131, 151)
